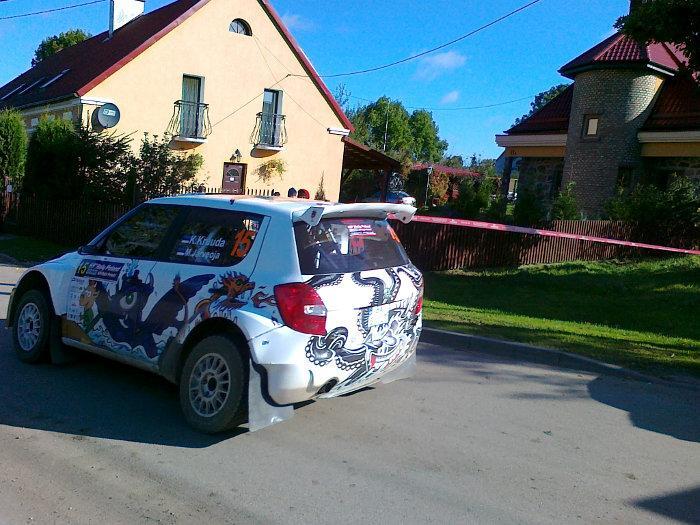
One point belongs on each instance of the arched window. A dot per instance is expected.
(241, 27)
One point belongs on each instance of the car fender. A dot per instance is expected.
(58, 274)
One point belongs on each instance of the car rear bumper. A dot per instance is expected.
(295, 375)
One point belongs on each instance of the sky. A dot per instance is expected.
(510, 61)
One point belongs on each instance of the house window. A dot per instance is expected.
(590, 126)
(191, 106)
(241, 27)
(271, 118)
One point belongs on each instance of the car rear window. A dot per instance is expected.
(347, 245)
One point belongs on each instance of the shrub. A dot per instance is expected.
(565, 207)
(670, 213)
(159, 170)
(104, 160)
(474, 197)
(437, 189)
(497, 210)
(528, 210)
(52, 168)
(320, 191)
(13, 146)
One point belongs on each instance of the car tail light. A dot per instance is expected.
(301, 308)
(419, 303)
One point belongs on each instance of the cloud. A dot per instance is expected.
(450, 97)
(435, 65)
(297, 22)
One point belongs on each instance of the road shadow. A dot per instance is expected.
(95, 397)
(683, 506)
(660, 408)
(664, 409)
(479, 368)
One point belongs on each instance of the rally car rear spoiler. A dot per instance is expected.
(313, 215)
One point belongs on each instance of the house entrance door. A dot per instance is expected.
(234, 178)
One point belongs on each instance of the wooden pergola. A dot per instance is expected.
(357, 156)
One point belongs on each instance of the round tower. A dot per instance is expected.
(609, 106)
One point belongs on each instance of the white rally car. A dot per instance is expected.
(249, 304)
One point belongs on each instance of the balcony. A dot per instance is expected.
(270, 132)
(190, 122)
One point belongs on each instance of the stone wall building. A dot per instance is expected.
(631, 114)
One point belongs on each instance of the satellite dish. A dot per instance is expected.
(107, 115)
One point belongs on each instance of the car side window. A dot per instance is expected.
(141, 235)
(214, 237)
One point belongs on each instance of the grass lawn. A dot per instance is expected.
(644, 315)
(27, 249)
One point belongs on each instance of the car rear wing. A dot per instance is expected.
(380, 210)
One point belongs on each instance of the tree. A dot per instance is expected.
(387, 122)
(565, 207)
(380, 119)
(541, 99)
(427, 145)
(342, 96)
(53, 44)
(453, 161)
(676, 21)
(528, 210)
(13, 147)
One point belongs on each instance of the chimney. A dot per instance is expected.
(122, 12)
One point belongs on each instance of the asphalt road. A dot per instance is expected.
(471, 438)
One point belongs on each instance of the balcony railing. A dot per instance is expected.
(270, 131)
(190, 120)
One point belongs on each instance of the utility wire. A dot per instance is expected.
(441, 46)
(456, 109)
(260, 43)
(50, 10)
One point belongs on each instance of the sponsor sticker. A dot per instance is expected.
(102, 270)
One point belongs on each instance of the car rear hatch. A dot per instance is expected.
(356, 264)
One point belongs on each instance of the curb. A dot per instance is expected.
(535, 354)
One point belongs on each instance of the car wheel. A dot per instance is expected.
(213, 385)
(30, 333)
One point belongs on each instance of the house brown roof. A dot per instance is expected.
(677, 107)
(360, 156)
(621, 50)
(552, 118)
(75, 70)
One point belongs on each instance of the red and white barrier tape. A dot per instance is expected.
(546, 233)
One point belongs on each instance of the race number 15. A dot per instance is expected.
(242, 243)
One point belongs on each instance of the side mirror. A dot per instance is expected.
(89, 249)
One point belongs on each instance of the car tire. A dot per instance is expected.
(31, 327)
(213, 385)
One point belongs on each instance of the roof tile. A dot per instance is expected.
(552, 118)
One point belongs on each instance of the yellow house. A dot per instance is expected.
(223, 78)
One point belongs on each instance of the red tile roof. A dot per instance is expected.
(552, 118)
(90, 62)
(620, 49)
(447, 170)
(678, 106)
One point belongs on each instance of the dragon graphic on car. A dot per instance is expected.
(384, 344)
